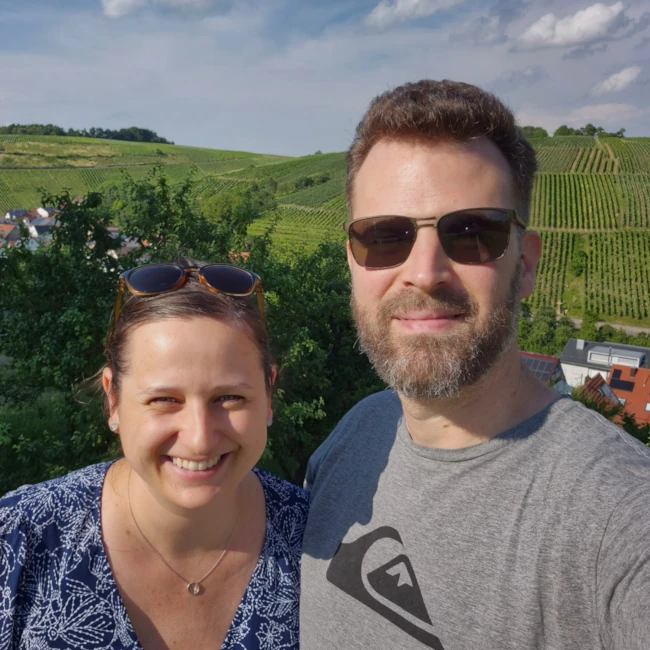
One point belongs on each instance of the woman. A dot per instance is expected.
(180, 544)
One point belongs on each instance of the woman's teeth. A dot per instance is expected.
(193, 465)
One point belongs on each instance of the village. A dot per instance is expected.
(34, 228)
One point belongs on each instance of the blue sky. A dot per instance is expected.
(294, 76)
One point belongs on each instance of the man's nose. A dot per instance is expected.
(427, 266)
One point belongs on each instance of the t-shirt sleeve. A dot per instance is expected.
(313, 465)
(623, 575)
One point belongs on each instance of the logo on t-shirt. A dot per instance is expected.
(376, 571)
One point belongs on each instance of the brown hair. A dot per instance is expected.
(445, 110)
(190, 301)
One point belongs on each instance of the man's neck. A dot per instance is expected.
(506, 395)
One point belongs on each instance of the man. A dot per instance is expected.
(468, 508)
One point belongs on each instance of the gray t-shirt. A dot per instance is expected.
(536, 539)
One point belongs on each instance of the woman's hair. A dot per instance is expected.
(192, 300)
(445, 111)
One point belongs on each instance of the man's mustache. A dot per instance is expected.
(442, 298)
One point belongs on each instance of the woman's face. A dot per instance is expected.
(192, 408)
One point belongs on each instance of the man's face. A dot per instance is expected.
(433, 326)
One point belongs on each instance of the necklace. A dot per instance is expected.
(193, 588)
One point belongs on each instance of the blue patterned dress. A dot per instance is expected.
(57, 589)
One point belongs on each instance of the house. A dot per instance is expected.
(9, 232)
(632, 389)
(597, 389)
(14, 215)
(47, 211)
(545, 367)
(581, 360)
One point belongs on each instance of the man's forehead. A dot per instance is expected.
(413, 169)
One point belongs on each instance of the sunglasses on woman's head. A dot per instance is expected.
(152, 279)
(470, 236)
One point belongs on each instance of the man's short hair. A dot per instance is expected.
(445, 110)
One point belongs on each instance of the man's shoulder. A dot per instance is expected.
(367, 430)
(379, 411)
(589, 445)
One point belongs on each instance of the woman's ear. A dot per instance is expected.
(107, 385)
(269, 408)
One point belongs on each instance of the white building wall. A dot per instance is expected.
(577, 375)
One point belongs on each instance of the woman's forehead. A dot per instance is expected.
(173, 346)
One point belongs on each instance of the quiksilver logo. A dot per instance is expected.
(376, 571)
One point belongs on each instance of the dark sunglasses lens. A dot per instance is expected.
(475, 236)
(229, 279)
(155, 278)
(381, 242)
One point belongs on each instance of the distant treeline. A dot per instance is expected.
(537, 132)
(132, 134)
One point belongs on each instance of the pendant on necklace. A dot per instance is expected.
(194, 588)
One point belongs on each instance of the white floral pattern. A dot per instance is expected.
(57, 589)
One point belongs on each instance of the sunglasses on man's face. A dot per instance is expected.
(470, 236)
(152, 279)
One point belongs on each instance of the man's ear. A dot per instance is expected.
(530, 251)
(107, 385)
(349, 252)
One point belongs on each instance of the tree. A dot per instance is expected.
(55, 312)
(532, 132)
(563, 130)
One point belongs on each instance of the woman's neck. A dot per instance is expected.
(174, 531)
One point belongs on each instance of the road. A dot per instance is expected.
(628, 329)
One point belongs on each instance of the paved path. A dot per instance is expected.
(628, 329)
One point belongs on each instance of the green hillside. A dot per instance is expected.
(591, 202)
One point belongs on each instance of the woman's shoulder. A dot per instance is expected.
(287, 506)
(52, 502)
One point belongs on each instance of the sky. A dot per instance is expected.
(295, 76)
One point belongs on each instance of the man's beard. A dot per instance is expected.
(437, 366)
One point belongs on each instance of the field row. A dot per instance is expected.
(552, 272)
(24, 188)
(618, 274)
(318, 194)
(633, 154)
(575, 201)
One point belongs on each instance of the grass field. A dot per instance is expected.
(590, 196)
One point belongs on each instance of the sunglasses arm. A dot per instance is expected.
(260, 298)
(118, 302)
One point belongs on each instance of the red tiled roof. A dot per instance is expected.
(596, 388)
(632, 385)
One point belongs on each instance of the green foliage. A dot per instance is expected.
(615, 413)
(578, 262)
(58, 299)
(132, 134)
(533, 132)
(588, 129)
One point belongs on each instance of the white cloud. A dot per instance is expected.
(388, 12)
(119, 8)
(616, 82)
(594, 23)
(603, 113)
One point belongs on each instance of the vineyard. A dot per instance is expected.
(618, 274)
(591, 204)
